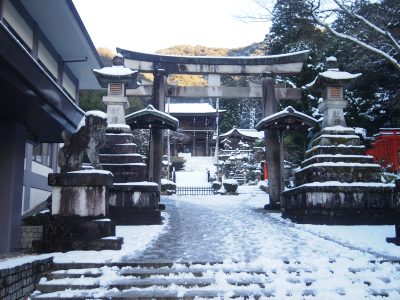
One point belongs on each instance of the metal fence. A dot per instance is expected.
(194, 190)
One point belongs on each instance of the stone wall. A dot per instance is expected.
(29, 234)
(19, 282)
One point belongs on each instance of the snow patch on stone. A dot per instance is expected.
(91, 171)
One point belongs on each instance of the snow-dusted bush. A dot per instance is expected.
(168, 186)
(216, 185)
(230, 185)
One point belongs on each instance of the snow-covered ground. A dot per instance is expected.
(334, 262)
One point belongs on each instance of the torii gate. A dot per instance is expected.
(268, 66)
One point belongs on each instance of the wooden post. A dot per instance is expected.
(12, 153)
(207, 146)
(272, 144)
(159, 88)
(194, 144)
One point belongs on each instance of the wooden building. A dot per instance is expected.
(237, 138)
(197, 124)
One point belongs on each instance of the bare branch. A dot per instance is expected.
(355, 40)
(375, 28)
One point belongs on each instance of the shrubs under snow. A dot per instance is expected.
(230, 185)
(168, 186)
(216, 185)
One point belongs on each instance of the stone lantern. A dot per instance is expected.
(116, 80)
(337, 183)
(332, 83)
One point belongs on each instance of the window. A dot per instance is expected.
(43, 154)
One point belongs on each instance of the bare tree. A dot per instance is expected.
(325, 14)
(262, 14)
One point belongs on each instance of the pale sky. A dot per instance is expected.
(151, 25)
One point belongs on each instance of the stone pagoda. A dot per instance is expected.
(337, 183)
(132, 200)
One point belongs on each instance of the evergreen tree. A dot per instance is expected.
(292, 30)
(375, 98)
(91, 100)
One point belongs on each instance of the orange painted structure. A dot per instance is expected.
(386, 149)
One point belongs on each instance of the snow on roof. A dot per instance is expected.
(287, 110)
(155, 112)
(333, 74)
(338, 75)
(115, 71)
(246, 132)
(190, 108)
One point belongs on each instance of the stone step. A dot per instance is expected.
(119, 138)
(237, 292)
(141, 186)
(119, 149)
(343, 172)
(333, 150)
(365, 159)
(120, 158)
(168, 280)
(131, 172)
(132, 215)
(120, 283)
(338, 130)
(144, 272)
(335, 140)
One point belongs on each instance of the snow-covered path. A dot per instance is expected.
(195, 171)
(216, 228)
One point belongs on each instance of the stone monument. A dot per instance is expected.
(132, 199)
(337, 183)
(80, 195)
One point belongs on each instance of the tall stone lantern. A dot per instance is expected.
(337, 183)
(116, 80)
(332, 83)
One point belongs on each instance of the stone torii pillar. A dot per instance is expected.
(158, 101)
(273, 144)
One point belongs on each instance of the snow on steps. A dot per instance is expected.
(167, 280)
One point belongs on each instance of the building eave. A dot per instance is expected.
(31, 96)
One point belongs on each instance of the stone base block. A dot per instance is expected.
(80, 194)
(342, 217)
(135, 216)
(135, 195)
(75, 227)
(395, 240)
(76, 233)
(341, 205)
(351, 173)
(63, 245)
